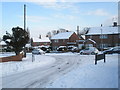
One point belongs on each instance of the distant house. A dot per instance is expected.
(103, 37)
(64, 39)
(2, 45)
(41, 41)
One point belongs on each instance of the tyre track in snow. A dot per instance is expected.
(39, 77)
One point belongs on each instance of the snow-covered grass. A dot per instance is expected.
(5, 54)
(26, 64)
(88, 75)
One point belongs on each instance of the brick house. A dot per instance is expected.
(104, 37)
(64, 39)
(41, 41)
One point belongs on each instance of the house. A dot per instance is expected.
(103, 37)
(2, 45)
(41, 41)
(89, 43)
(64, 39)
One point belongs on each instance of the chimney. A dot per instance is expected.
(114, 24)
(78, 30)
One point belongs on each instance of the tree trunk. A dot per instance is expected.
(24, 52)
(17, 53)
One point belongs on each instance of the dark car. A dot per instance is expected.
(45, 49)
(112, 50)
(62, 48)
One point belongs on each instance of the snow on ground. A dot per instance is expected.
(6, 54)
(26, 64)
(88, 75)
(67, 53)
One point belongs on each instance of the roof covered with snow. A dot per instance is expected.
(65, 35)
(90, 40)
(102, 30)
(41, 40)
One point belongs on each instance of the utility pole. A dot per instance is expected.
(24, 17)
(24, 27)
(78, 33)
(101, 39)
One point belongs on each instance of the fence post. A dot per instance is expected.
(95, 58)
(33, 58)
(104, 58)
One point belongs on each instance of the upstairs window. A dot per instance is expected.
(103, 36)
(56, 41)
(63, 40)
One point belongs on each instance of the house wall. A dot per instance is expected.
(64, 42)
(112, 40)
(60, 42)
(73, 38)
(40, 43)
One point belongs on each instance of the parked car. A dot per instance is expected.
(62, 48)
(75, 49)
(112, 50)
(38, 51)
(90, 50)
(72, 48)
(69, 48)
(46, 49)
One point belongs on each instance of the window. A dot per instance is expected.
(37, 43)
(89, 45)
(103, 36)
(103, 45)
(91, 36)
(63, 40)
(56, 41)
(117, 44)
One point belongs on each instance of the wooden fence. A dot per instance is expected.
(12, 58)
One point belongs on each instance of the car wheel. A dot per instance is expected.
(81, 53)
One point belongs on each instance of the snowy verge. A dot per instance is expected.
(88, 75)
(6, 54)
(26, 64)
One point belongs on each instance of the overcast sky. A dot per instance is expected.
(47, 16)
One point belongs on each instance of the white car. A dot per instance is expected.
(90, 50)
(38, 51)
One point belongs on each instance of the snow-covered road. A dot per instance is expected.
(61, 70)
(40, 76)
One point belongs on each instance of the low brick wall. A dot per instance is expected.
(12, 58)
